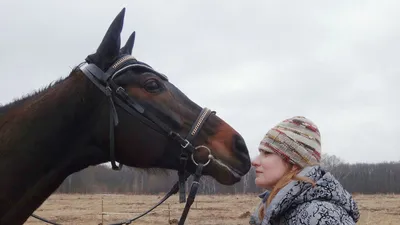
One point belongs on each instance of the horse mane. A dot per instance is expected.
(20, 100)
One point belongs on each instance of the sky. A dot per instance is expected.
(254, 62)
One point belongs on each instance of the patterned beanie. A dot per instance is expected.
(297, 140)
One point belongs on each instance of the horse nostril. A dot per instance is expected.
(240, 145)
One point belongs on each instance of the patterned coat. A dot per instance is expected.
(300, 203)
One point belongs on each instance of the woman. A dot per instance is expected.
(299, 191)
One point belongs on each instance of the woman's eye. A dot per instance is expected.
(265, 153)
(151, 85)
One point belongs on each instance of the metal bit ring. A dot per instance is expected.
(210, 156)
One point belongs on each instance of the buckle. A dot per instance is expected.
(120, 90)
(108, 91)
(185, 144)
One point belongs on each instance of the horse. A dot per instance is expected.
(110, 108)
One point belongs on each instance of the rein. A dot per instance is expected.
(117, 95)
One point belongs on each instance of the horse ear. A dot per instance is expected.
(127, 49)
(108, 49)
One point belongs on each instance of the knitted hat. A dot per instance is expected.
(297, 140)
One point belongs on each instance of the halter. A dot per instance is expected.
(117, 95)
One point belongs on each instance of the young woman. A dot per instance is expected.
(299, 191)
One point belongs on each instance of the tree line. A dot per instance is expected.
(366, 178)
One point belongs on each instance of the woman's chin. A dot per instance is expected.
(259, 182)
(262, 184)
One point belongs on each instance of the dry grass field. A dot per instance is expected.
(207, 210)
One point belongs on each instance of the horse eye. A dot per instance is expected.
(151, 85)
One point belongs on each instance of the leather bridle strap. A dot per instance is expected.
(192, 193)
(185, 151)
(44, 220)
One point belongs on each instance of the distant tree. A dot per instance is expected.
(368, 178)
(330, 161)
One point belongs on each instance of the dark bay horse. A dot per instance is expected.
(111, 108)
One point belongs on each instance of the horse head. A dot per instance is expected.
(155, 119)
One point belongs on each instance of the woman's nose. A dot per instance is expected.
(255, 162)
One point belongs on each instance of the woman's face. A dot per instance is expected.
(269, 168)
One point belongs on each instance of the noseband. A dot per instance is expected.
(116, 94)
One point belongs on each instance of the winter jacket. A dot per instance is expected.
(300, 203)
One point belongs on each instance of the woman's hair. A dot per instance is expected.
(290, 175)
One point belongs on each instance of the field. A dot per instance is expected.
(207, 210)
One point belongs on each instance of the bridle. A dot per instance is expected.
(117, 95)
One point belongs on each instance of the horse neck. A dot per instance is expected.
(44, 139)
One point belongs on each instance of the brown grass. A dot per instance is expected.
(207, 210)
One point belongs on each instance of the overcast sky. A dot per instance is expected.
(255, 62)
